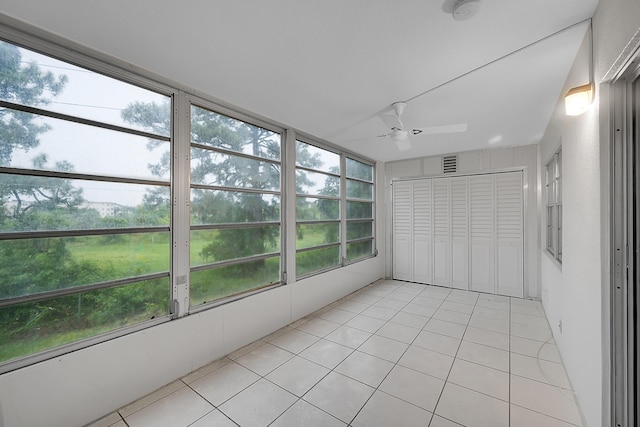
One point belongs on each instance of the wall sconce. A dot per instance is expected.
(578, 99)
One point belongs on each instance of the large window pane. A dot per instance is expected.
(317, 259)
(224, 170)
(326, 185)
(32, 266)
(309, 235)
(312, 157)
(64, 178)
(213, 284)
(210, 246)
(34, 203)
(258, 203)
(68, 89)
(73, 147)
(217, 130)
(35, 326)
(225, 207)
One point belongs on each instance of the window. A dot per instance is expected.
(317, 209)
(320, 236)
(554, 205)
(84, 225)
(359, 177)
(235, 206)
(123, 206)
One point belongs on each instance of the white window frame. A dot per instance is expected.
(180, 182)
(553, 169)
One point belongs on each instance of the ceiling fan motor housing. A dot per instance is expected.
(399, 135)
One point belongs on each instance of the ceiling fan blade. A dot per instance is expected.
(434, 130)
(403, 145)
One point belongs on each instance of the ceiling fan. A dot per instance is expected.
(400, 135)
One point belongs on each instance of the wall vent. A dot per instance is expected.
(449, 164)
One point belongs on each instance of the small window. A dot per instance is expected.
(554, 205)
(359, 210)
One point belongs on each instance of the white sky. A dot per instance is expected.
(89, 149)
(99, 151)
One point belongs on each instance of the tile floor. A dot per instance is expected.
(390, 354)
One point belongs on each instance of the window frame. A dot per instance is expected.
(553, 187)
(372, 202)
(334, 221)
(343, 199)
(217, 109)
(178, 182)
(111, 71)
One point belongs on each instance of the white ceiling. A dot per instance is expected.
(329, 67)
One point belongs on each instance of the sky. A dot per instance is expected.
(94, 150)
(90, 149)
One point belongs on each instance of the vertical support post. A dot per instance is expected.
(180, 206)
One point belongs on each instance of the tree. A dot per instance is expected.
(48, 202)
(26, 85)
(231, 171)
(30, 266)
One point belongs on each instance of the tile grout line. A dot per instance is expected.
(510, 311)
(332, 370)
(377, 388)
(453, 362)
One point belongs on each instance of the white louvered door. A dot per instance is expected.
(482, 234)
(402, 230)
(422, 232)
(459, 233)
(441, 233)
(462, 232)
(509, 234)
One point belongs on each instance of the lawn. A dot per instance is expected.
(124, 256)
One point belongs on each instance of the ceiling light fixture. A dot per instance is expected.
(465, 9)
(578, 99)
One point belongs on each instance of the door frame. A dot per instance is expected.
(625, 244)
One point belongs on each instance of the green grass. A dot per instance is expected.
(12, 348)
(132, 255)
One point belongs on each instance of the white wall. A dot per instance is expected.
(525, 157)
(576, 291)
(81, 387)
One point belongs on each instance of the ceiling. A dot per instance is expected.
(330, 67)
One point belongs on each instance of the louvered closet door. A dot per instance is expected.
(422, 231)
(441, 232)
(482, 235)
(509, 234)
(402, 230)
(459, 233)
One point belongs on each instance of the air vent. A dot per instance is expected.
(449, 164)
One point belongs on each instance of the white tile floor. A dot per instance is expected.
(391, 354)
